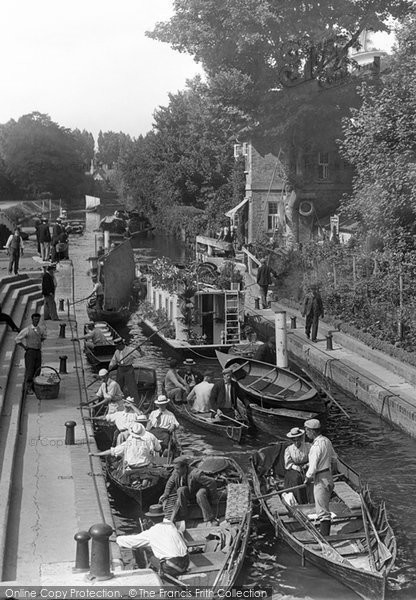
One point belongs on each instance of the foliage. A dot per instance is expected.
(229, 274)
(380, 141)
(173, 278)
(40, 156)
(110, 146)
(159, 318)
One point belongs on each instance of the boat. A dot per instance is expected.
(226, 428)
(100, 356)
(217, 552)
(271, 386)
(92, 203)
(147, 489)
(361, 549)
(278, 421)
(116, 271)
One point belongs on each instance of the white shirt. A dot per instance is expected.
(121, 419)
(110, 390)
(10, 239)
(201, 393)
(138, 451)
(321, 456)
(297, 457)
(166, 419)
(164, 540)
(34, 336)
(98, 289)
(120, 357)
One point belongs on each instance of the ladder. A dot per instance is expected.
(232, 321)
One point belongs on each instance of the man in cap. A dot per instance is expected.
(191, 485)
(123, 360)
(108, 393)
(94, 337)
(14, 248)
(162, 423)
(223, 396)
(296, 463)
(267, 352)
(44, 238)
(123, 419)
(312, 309)
(170, 553)
(31, 339)
(48, 292)
(264, 279)
(137, 450)
(322, 461)
(189, 374)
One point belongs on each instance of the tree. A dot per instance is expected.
(380, 141)
(110, 146)
(84, 141)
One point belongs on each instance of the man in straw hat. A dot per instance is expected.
(162, 423)
(137, 450)
(322, 462)
(191, 485)
(170, 553)
(109, 393)
(123, 360)
(123, 419)
(296, 462)
(189, 374)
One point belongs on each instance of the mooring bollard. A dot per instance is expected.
(62, 364)
(329, 341)
(257, 303)
(82, 558)
(100, 552)
(61, 304)
(62, 330)
(292, 322)
(70, 433)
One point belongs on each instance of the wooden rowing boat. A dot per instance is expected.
(217, 552)
(361, 548)
(114, 316)
(100, 356)
(278, 421)
(271, 386)
(224, 428)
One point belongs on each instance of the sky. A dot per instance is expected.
(87, 63)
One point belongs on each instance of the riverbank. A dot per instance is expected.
(381, 382)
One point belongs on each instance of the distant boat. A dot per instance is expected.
(92, 203)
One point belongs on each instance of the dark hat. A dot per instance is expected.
(180, 461)
(155, 510)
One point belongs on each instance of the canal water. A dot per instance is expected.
(383, 456)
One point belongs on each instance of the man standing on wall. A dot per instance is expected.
(48, 292)
(313, 308)
(30, 339)
(264, 279)
(14, 247)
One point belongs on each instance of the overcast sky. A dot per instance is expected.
(88, 63)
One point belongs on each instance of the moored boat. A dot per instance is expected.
(217, 552)
(116, 316)
(226, 428)
(361, 549)
(278, 421)
(99, 356)
(271, 386)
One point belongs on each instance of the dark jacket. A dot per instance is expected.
(48, 284)
(197, 375)
(264, 275)
(266, 353)
(44, 233)
(194, 480)
(312, 305)
(217, 397)
(57, 229)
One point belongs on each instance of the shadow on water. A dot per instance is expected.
(383, 456)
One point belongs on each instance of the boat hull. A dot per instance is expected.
(112, 317)
(232, 432)
(278, 421)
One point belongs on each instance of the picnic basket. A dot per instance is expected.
(46, 384)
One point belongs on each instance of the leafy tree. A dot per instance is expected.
(380, 141)
(40, 156)
(110, 146)
(85, 143)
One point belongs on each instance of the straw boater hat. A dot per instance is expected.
(102, 372)
(119, 340)
(128, 400)
(155, 510)
(295, 432)
(162, 400)
(137, 430)
(189, 362)
(312, 424)
(141, 418)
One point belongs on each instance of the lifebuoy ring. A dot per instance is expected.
(306, 208)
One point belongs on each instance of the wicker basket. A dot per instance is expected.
(46, 389)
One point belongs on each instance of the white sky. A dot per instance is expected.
(87, 63)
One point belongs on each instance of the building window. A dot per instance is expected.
(323, 165)
(272, 216)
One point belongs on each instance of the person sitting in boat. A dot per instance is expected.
(296, 464)
(97, 292)
(123, 419)
(191, 485)
(162, 423)
(267, 352)
(170, 552)
(108, 393)
(190, 375)
(200, 395)
(123, 360)
(137, 450)
(175, 386)
(94, 337)
(223, 398)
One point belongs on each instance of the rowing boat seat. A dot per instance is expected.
(347, 495)
(276, 506)
(208, 561)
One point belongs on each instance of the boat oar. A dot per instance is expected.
(82, 300)
(290, 489)
(384, 552)
(337, 404)
(223, 416)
